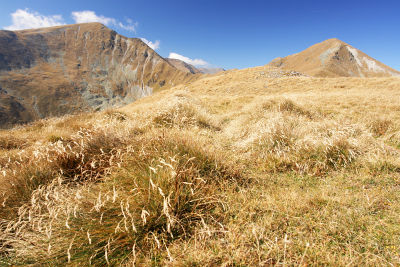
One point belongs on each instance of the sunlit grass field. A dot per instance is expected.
(251, 167)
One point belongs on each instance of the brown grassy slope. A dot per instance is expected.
(334, 58)
(67, 69)
(242, 168)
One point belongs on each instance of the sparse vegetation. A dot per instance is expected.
(182, 114)
(380, 126)
(204, 176)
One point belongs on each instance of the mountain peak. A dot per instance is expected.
(334, 58)
(89, 26)
(333, 40)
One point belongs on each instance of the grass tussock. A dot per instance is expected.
(282, 151)
(184, 114)
(8, 142)
(288, 106)
(380, 127)
(116, 115)
(280, 142)
(84, 157)
(163, 189)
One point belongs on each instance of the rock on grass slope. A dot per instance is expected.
(66, 69)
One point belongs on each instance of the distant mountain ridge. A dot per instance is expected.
(334, 58)
(210, 70)
(186, 67)
(66, 69)
(183, 66)
(83, 67)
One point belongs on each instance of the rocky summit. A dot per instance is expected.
(82, 67)
(334, 58)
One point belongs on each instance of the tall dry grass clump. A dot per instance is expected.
(287, 106)
(283, 136)
(296, 146)
(182, 111)
(155, 188)
(380, 127)
(84, 157)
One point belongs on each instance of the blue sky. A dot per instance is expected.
(229, 34)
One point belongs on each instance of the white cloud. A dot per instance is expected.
(154, 46)
(194, 62)
(128, 27)
(26, 19)
(90, 16)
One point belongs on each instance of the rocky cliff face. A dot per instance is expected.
(66, 69)
(334, 58)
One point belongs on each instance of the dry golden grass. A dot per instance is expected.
(235, 169)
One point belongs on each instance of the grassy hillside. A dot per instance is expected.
(248, 167)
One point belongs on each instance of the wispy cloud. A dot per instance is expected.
(91, 16)
(194, 62)
(154, 46)
(26, 19)
(29, 19)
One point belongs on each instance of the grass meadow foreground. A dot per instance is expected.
(244, 168)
